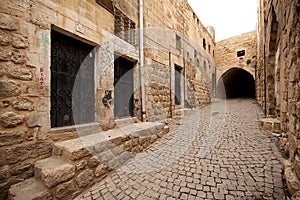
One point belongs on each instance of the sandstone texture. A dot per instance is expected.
(227, 49)
(63, 165)
(278, 59)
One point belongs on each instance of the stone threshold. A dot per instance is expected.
(126, 121)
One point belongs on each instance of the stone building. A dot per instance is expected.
(278, 77)
(176, 52)
(78, 68)
(236, 62)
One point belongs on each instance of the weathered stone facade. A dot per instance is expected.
(226, 57)
(28, 139)
(278, 77)
(26, 134)
(180, 36)
(236, 59)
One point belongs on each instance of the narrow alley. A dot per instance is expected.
(142, 99)
(217, 152)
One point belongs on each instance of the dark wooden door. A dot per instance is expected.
(177, 85)
(71, 102)
(123, 88)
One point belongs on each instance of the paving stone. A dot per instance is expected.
(218, 195)
(206, 188)
(240, 162)
(184, 190)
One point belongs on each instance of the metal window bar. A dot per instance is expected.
(126, 29)
(132, 33)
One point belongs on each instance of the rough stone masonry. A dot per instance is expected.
(28, 92)
(278, 78)
(28, 140)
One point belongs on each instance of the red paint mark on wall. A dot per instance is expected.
(44, 48)
(41, 78)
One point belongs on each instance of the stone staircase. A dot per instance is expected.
(77, 164)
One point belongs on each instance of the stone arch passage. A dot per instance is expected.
(236, 83)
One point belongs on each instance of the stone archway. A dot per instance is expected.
(236, 83)
(273, 71)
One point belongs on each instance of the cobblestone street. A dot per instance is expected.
(217, 153)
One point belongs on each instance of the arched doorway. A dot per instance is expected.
(236, 83)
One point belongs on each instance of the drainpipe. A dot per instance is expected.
(184, 59)
(265, 81)
(170, 66)
(141, 22)
(184, 83)
(215, 82)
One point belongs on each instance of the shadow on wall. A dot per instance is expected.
(236, 83)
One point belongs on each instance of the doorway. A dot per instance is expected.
(236, 83)
(72, 81)
(177, 85)
(123, 87)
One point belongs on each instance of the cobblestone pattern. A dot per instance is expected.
(217, 153)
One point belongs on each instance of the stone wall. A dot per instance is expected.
(25, 27)
(158, 91)
(26, 135)
(175, 37)
(278, 54)
(226, 57)
(198, 91)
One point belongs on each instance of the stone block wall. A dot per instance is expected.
(174, 36)
(198, 91)
(278, 54)
(226, 57)
(26, 135)
(25, 26)
(179, 17)
(158, 91)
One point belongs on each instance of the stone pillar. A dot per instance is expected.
(105, 84)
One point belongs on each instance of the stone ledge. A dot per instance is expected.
(72, 167)
(29, 189)
(272, 125)
(126, 121)
(78, 148)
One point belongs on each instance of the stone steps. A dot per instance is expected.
(272, 125)
(79, 148)
(29, 189)
(77, 164)
(52, 171)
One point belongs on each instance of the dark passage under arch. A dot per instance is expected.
(236, 83)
